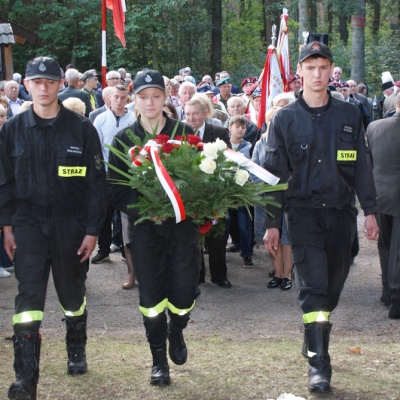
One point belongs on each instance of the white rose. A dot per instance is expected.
(221, 145)
(241, 177)
(210, 150)
(208, 166)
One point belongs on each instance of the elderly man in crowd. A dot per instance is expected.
(186, 92)
(11, 90)
(72, 78)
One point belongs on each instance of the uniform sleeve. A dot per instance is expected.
(7, 198)
(276, 162)
(96, 192)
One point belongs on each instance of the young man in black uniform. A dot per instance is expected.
(317, 144)
(52, 206)
(166, 256)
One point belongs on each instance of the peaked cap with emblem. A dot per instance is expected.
(148, 79)
(315, 48)
(88, 74)
(43, 67)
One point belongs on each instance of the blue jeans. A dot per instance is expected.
(245, 232)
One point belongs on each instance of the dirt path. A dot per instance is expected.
(246, 311)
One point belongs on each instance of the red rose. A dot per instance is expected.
(179, 137)
(167, 148)
(193, 139)
(205, 227)
(161, 139)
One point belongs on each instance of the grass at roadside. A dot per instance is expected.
(217, 369)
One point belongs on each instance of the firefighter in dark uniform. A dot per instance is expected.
(166, 256)
(53, 198)
(317, 144)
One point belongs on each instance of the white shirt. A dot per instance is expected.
(14, 105)
(108, 125)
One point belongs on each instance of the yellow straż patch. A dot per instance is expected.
(68, 172)
(346, 155)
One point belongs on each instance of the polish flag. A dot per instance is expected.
(118, 8)
(271, 83)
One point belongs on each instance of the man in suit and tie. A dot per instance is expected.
(196, 115)
(384, 142)
(72, 77)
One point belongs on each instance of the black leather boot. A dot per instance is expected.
(317, 343)
(26, 366)
(76, 345)
(160, 368)
(177, 347)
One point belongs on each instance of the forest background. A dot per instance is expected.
(210, 35)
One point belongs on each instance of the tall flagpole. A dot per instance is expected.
(103, 42)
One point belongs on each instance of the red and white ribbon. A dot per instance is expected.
(168, 185)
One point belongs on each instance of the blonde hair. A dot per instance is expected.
(75, 104)
(289, 97)
(205, 100)
(268, 116)
(26, 105)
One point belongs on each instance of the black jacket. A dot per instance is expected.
(72, 91)
(322, 154)
(122, 196)
(51, 170)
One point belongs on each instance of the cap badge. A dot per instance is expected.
(315, 47)
(42, 67)
(148, 78)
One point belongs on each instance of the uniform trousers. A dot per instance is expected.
(41, 246)
(166, 259)
(321, 246)
(389, 252)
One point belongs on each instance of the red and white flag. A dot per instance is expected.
(271, 83)
(283, 50)
(118, 8)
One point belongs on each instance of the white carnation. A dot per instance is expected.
(210, 150)
(221, 145)
(208, 165)
(241, 177)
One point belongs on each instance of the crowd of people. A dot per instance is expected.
(56, 204)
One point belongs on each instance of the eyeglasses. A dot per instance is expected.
(114, 79)
(93, 79)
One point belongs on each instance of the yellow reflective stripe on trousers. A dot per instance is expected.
(316, 316)
(27, 316)
(160, 307)
(154, 311)
(76, 313)
(179, 311)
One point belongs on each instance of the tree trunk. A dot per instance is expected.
(216, 36)
(330, 18)
(357, 40)
(344, 31)
(269, 21)
(305, 18)
(154, 53)
(377, 18)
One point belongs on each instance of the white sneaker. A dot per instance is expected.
(10, 269)
(4, 273)
(114, 248)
